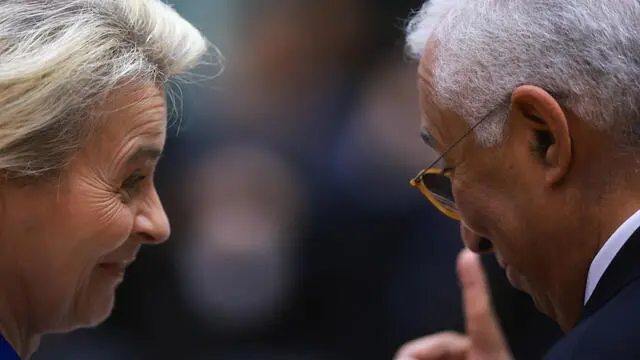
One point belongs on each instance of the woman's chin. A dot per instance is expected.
(91, 310)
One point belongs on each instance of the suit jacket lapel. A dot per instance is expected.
(624, 269)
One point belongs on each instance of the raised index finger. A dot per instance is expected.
(481, 323)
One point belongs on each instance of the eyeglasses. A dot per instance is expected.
(435, 184)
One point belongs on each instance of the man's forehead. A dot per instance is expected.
(426, 90)
(430, 117)
(427, 61)
(425, 76)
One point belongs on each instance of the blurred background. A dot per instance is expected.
(295, 233)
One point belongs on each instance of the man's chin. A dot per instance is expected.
(516, 280)
(541, 303)
(544, 307)
(520, 283)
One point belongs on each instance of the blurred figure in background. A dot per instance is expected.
(237, 267)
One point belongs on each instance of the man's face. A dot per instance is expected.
(507, 202)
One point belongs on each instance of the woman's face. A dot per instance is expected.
(65, 243)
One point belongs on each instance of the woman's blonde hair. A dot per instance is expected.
(60, 58)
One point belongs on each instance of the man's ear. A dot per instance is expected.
(537, 116)
(541, 144)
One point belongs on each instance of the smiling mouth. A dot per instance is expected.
(116, 269)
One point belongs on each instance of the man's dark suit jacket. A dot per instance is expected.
(609, 326)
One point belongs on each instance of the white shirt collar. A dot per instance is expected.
(609, 251)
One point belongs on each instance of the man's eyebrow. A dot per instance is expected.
(428, 138)
(145, 153)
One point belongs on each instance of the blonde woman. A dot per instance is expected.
(82, 124)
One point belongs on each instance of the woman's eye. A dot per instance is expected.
(131, 186)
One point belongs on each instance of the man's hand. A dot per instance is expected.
(484, 339)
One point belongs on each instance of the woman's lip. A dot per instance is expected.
(116, 268)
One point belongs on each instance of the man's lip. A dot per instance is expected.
(513, 279)
(501, 262)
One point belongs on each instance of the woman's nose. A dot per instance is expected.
(152, 224)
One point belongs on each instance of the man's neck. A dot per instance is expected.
(609, 251)
(610, 216)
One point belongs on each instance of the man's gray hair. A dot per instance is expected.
(584, 52)
(60, 58)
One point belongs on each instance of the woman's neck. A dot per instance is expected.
(23, 345)
(19, 344)
(15, 328)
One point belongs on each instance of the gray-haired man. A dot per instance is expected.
(535, 108)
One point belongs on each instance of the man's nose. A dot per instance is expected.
(473, 241)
